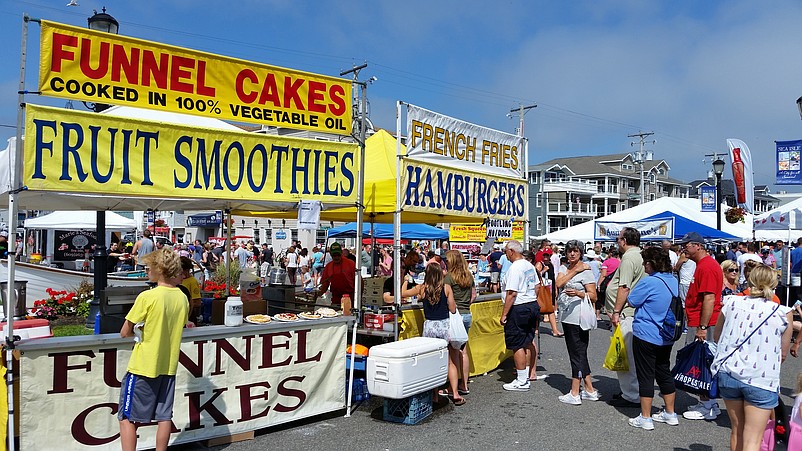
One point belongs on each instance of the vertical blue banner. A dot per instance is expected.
(708, 196)
(788, 170)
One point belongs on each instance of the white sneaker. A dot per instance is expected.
(643, 423)
(517, 385)
(700, 412)
(568, 398)
(667, 418)
(590, 396)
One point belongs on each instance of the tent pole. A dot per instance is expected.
(397, 218)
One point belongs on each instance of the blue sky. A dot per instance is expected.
(694, 72)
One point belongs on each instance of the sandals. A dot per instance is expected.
(463, 392)
(444, 393)
(459, 402)
(555, 335)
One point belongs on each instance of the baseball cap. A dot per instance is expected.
(692, 237)
(335, 249)
(4, 233)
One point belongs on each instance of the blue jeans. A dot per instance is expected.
(733, 389)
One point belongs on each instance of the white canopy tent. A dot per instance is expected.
(79, 220)
(786, 217)
(686, 207)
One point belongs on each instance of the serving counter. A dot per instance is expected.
(230, 380)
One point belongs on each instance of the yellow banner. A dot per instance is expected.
(478, 233)
(444, 191)
(71, 151)
(77, 63)
(236, 380)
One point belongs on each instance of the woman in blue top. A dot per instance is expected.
(651, 298)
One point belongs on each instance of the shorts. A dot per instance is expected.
(734, 390)
(494, 276)
(467, 321)
(146, 399)
(437, 328)
(519, 330)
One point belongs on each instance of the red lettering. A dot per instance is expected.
(179, 73)
(121, 62)
(242, 77)
(245, 399)
(316, 91)
(286, 391)
(302, 348)
(110, 368)
(157, 71)
(337, 94)
(60, 53)
(102, 58)
(196, 408)
(196, 369)
(270, 91)
(291, 94)
(243, 361)
(82, 436)
(268, 346)
(60, 368)
(202, 88)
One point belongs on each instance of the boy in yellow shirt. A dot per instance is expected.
(148, 388)
(191, 283)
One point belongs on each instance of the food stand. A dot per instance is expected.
(230, 379)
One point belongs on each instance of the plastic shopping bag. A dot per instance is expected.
(616, 359)
(457, 335)
(692, 370)
(587, 315)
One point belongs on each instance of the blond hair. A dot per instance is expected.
(164, 261)
(762, 282)
(458, 269)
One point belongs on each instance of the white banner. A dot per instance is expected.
(438, 139)
(229, 381)
(498, 228)
(741, 160)
(309, 215)
(281, 239)
(655, 229)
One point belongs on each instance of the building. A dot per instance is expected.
(567, 191)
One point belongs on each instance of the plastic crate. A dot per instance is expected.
(360, 389)
(411, 410)
(360, 362)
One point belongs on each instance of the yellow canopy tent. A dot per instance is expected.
(379, 198)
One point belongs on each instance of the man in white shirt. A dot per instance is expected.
(751, 254)
(671, 254)
(519, 316)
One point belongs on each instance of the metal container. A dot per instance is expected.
(280, 299)
(277, 276)
(18, 307)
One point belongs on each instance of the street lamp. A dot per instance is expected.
(799, 106)
(108, 24)
(718, 169)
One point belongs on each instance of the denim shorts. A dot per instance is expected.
(467, 320)
(734, 390)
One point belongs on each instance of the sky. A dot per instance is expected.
(693, 72)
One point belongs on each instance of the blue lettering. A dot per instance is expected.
(68, 149)
(329, 171)
(300, 169)
(240, 156)
(444, 190)
(459, 192)
(282, 151)
(126, 180)
(428, 191)
(93, 161)
(347, 173)
(147, 137)
(41, 146)
(481, 192)
(492, 197)
(202, 168)
(182, 161)
(258, 150)
(413, 183)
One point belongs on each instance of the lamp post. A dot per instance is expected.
(106, 23)
(799, 106)
(718, 169)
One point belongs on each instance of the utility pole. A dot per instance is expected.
(522, 109)
(639, 158)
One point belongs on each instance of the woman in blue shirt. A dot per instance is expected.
(651, 298)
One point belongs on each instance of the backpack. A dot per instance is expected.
(674, 321)
(602, 288)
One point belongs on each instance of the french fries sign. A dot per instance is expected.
(92, 66)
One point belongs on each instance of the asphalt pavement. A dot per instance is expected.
(497, 419)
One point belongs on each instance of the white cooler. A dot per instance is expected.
(404, 368)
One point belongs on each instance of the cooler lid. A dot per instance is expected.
(407, 348)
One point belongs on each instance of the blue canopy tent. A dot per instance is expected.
(683, 225)
(408, 231)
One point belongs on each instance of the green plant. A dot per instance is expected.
(232, 269)
(73, 302)
(71, 330)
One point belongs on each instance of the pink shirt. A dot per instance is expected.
(611, 264)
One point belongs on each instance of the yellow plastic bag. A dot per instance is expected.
(616, 359)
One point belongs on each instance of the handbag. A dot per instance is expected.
(692, 373)
(616, 359)
(714, 385)
(457, 335)
(544, 297)
(587, 314)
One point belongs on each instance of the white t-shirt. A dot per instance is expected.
(686, 272)
(292, 260)
(673, 257)
(742, 259)
(756, 362)
(521, 278)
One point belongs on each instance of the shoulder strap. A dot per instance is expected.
(669, 289)
(750, 335)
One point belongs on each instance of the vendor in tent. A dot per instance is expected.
(338, 275)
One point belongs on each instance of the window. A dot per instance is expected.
(534, 178)
(651, 196)
(538, 200)
(652, 178)
(626, 167)
(539, 224)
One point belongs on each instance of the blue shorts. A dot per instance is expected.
(467, 320)
(146, 399)
(734, 390)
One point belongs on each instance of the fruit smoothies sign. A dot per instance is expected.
(77, 152)
(742, 174)
(82, 64)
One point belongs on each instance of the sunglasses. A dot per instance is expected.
(732, 270)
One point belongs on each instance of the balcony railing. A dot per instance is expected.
(572, 208)
(582, 186)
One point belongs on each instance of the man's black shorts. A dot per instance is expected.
(519, 330)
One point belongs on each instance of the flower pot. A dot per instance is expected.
(732, 220)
